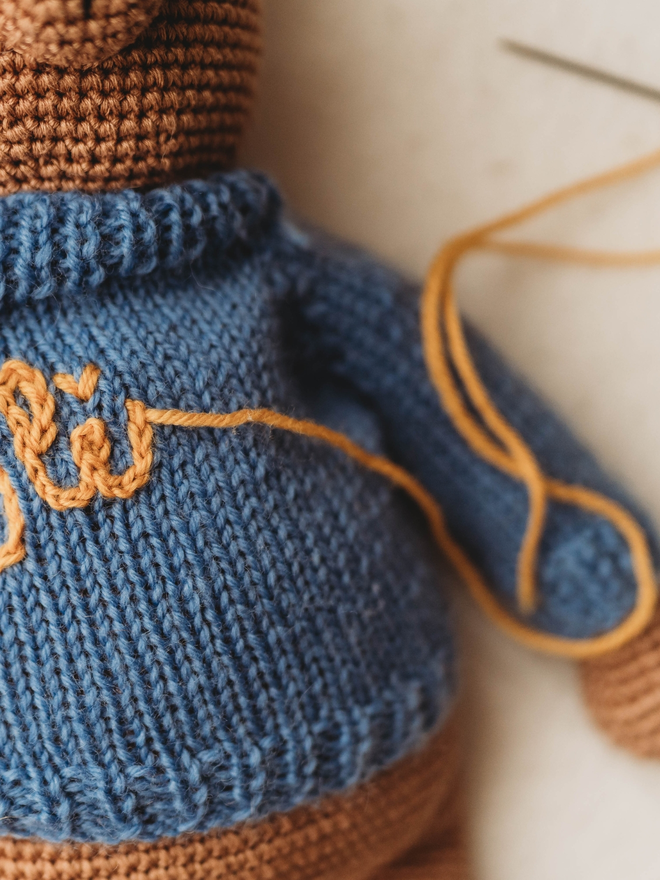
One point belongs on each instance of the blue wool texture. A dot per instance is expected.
(262, 623)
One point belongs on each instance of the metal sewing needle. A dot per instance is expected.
(577, 67)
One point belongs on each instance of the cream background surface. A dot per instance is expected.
(397, 123)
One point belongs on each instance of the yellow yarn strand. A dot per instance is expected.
(587, 499)
(492, 438)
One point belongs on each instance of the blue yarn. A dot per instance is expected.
(261, 624)
(359, 321)
(70, 243)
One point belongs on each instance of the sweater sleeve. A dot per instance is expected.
(357, 320)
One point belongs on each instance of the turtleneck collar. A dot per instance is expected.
(71, 243)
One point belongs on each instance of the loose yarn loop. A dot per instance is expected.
(73, 33)
(401, 478)
(447, 356)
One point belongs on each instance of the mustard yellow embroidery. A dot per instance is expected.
(13, 549)
(35, 432)
(84, 387)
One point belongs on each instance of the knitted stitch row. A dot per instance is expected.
(347, 835)
(621, 690)
(69, 244)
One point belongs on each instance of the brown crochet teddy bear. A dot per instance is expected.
(289, 718)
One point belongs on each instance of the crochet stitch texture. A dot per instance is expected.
(73, 33)
(359, 321)
(173, 103)
(260, 623)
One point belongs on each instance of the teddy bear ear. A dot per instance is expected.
(75, 33)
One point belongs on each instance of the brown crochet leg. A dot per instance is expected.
(622, 691)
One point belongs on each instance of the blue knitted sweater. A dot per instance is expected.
(260, 623)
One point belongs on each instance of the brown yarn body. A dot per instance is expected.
(344, 837)
(622, 690)
(172, 104)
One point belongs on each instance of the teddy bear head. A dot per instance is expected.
(106, 94)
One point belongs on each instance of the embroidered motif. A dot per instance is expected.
(35, 432)
(84, 387)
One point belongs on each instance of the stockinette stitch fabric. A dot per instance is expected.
(358, 321)
(240, 635)
(255, 622)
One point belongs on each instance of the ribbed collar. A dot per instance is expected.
(71, 243)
